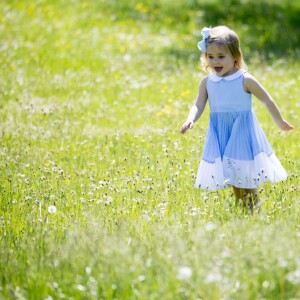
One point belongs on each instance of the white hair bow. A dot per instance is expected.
(202, 44)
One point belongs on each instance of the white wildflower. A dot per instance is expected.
(225, 253)
(294, 277)
(266, 284)
(127, 57)
(210, 226)
(212, 277)
(52, 209)
(80, 287)
(146, 218)
(184, 273)
(109, 200)
(141, 278)
(283, 263)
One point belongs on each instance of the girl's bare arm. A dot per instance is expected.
(198, 107)
(254, 87)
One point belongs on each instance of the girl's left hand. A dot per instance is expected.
(286, 126)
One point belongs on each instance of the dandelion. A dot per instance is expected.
(108, 201)
(283, 263)
(184, 273)
(55, 285)
(213, 277)
(193, 212)
(210, 226)
(52, 209)
(294, 277)
(225, 253)
(141, 278)
(127, 57)
(80, 287)
(146, 218)
(266, 284)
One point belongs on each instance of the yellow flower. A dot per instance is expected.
(168, 20)
(140, 7)
(185, 93)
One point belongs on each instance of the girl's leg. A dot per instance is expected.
(237, 193)
(249, 197)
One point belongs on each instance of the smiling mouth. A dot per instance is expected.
(218, 69)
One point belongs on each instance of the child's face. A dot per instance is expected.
(220, 60)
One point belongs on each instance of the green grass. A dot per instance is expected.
(92, 97)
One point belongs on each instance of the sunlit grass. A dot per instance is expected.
(97, 197)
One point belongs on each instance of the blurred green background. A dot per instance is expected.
(42, 37)
(96, 54)
(267, 27)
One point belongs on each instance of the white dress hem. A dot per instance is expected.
(239, 173)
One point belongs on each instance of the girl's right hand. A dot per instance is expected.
(187, 125)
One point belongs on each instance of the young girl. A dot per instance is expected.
(236, 151)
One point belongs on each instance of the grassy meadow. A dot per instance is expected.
(96, 183)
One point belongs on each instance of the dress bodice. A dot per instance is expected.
(227, 94)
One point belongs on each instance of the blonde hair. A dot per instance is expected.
(225, 37)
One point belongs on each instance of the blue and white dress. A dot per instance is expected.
(236, 151)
